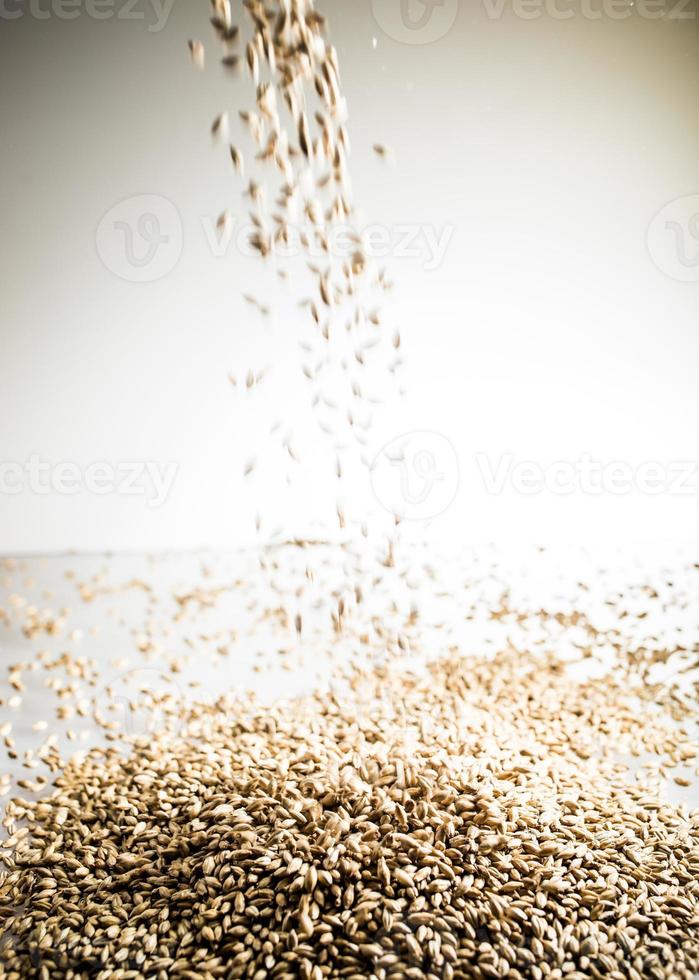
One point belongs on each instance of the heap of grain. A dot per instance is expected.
(470, 822)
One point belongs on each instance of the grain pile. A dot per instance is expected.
(466, 821)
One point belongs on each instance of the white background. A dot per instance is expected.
(548, 146)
